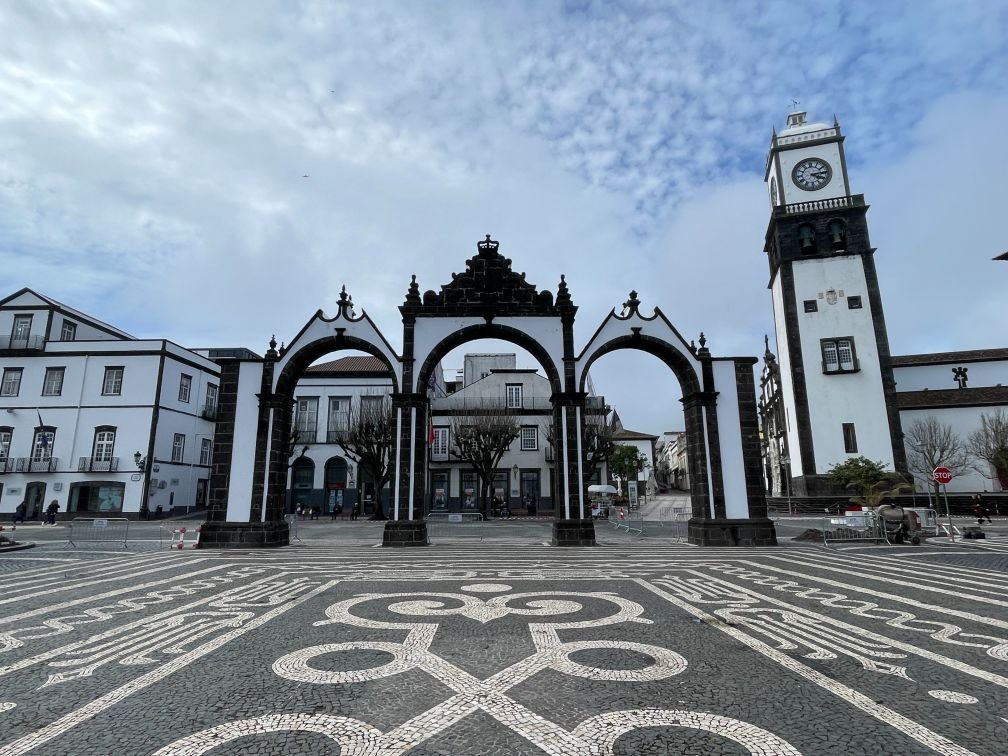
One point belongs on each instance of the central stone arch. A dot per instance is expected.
(486, 300)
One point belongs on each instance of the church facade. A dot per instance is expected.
(834, 390)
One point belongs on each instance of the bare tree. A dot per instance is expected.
(934, 444)
(480, 436)
(368, 439)
(990, 443)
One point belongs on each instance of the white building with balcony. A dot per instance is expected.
(97, 420)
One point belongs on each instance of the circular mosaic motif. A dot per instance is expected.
(950, 696)
(7, 705)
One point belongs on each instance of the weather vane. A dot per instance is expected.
(795, 104)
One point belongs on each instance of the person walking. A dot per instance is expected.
(51, 511)
(984, 511)
(355, 511)
(19, 513)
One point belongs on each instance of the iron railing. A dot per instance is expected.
(96, 464)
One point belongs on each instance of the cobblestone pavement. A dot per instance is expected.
(503, 647)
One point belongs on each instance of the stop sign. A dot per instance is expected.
(942, 475)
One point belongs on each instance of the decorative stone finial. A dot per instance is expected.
(703, 341)
(563, 298)
(413, 295)
(692, 346)
(272, 342)
(344, 300)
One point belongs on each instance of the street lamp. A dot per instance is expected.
(141, 463)
(786, 461)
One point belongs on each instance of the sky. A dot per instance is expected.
(213, 173)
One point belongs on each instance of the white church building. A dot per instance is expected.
(834, 390)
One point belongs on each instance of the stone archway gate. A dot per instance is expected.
(487, 300)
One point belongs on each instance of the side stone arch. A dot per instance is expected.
(728, 502)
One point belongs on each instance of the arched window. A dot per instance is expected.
(838, 234)
(806, 238)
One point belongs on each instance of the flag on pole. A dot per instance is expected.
(430, 430)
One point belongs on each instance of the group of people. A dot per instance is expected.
(50, 513)
(313, 512)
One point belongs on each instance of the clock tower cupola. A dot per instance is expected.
(806, 162)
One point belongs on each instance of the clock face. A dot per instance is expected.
(812, 174)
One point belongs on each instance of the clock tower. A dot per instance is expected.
(836, 378)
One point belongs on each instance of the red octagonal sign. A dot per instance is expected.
(942, 475)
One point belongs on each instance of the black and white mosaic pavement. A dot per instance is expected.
(487, 648)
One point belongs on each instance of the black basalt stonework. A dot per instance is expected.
(405, 533)
(238, 535)
(574, 532)
(752, 531)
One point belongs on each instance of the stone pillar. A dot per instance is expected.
(573, 525)
(409, 478)
(272, 529)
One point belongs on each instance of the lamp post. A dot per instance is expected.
(141, 463)
(786, 461)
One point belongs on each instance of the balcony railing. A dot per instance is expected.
(209, 411)
(94, 464)
(43, 465)
(22, 343)
(13, 464)
(833, 203)
(307, 435)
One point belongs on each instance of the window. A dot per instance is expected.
(811, 305)
(104, 443)
(837, 234)
(849, 438)
(206, 451)
(306, 422)
(372, 406)
(514, 396)
(53, 383)
(529, 438)
(184, 387)
(838, 356)
(69, 331)
(11, 385)
(22, 327)
(178, 447)
(42, 444)
(6, 434)
(853, 303)
(112, 384)
(210, 406)
(806, 238)
(339, 416)
(439, 449)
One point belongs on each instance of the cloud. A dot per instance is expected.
(151, 157)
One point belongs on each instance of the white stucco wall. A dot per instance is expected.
(787, 382)
(791, 157)
(239, 505)
(730, 434)
(920, 377)
(846, 398)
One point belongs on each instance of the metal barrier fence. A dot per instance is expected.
(97, 530)
(628, 518)
(292, 528)
(858, 527)
(454, 524)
